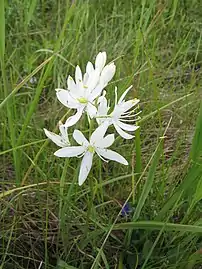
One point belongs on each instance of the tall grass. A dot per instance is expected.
(47, 220)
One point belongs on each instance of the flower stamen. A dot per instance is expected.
(91, 149)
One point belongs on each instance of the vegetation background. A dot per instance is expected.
(46, 219)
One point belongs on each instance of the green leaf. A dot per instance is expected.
(146, 248)
(24, 81)
(63, 265)
(147, 185)
(155, 225)
(190, 180)
(2, 29)
(120, 264)
(196, 148)
(30, 13)
(104, 258)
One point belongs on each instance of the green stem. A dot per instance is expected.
(62, 185)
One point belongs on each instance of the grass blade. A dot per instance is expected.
(31, 11)
(2, 29)
(148, 184)
(20, 85)
(154, 225)
(197, 141)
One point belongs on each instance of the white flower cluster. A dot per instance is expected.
(86, 95)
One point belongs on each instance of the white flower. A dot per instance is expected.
(106, 72)
(122, 113)
(82, 92)
(60, 140)
(98, 143)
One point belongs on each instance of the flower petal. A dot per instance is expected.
(71, 84)
(93, 80)
(65, 98)
(57, 139)
(125, 106)
(86, 165)
(106, 142)
(100, 60)
(98, 134)
(64, 133)
(112, 155)
(73, 119)
(115, 92)
(91, 110)
(131, 103)
(127, 127)
(122, 133)
(102, 107)
(80, 92)
(89, 68)
(102, 111)
(108, 73)
(85, 78)
(78, 74)
(70, 151)
(96, 91)
(124, 94)
(80, 138)
(62, 96)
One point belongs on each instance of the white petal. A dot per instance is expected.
(127, 127)
(70, 151)
(62, 96)
(86, 165)
(93, 80)
(65, 98)
(100, 60)
(80, 92)
(104, 121)
(98, 134)
(102, 107)
(80, 138)
(57, 139)
(117, 112)
(78, 74)
(112, 155)
(91, 110)
(71, 84)
(96, 91)
(115, 92)
(122, 133)
(89, 68)
(64, 133)
(108, 73)
(125, 106)
(124, 94)
(75, 118)
(106, 142)
(85, 78)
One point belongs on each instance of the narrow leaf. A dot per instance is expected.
(154, 225)
(196, 148)
(147, 185)
(2, 29)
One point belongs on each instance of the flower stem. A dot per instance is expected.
(91, 125)
(138, 166)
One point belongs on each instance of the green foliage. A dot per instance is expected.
(2, 30)
(63, 265)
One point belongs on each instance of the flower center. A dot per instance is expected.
(82, 100)
(91, 149)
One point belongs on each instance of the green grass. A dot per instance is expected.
(47, 220)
